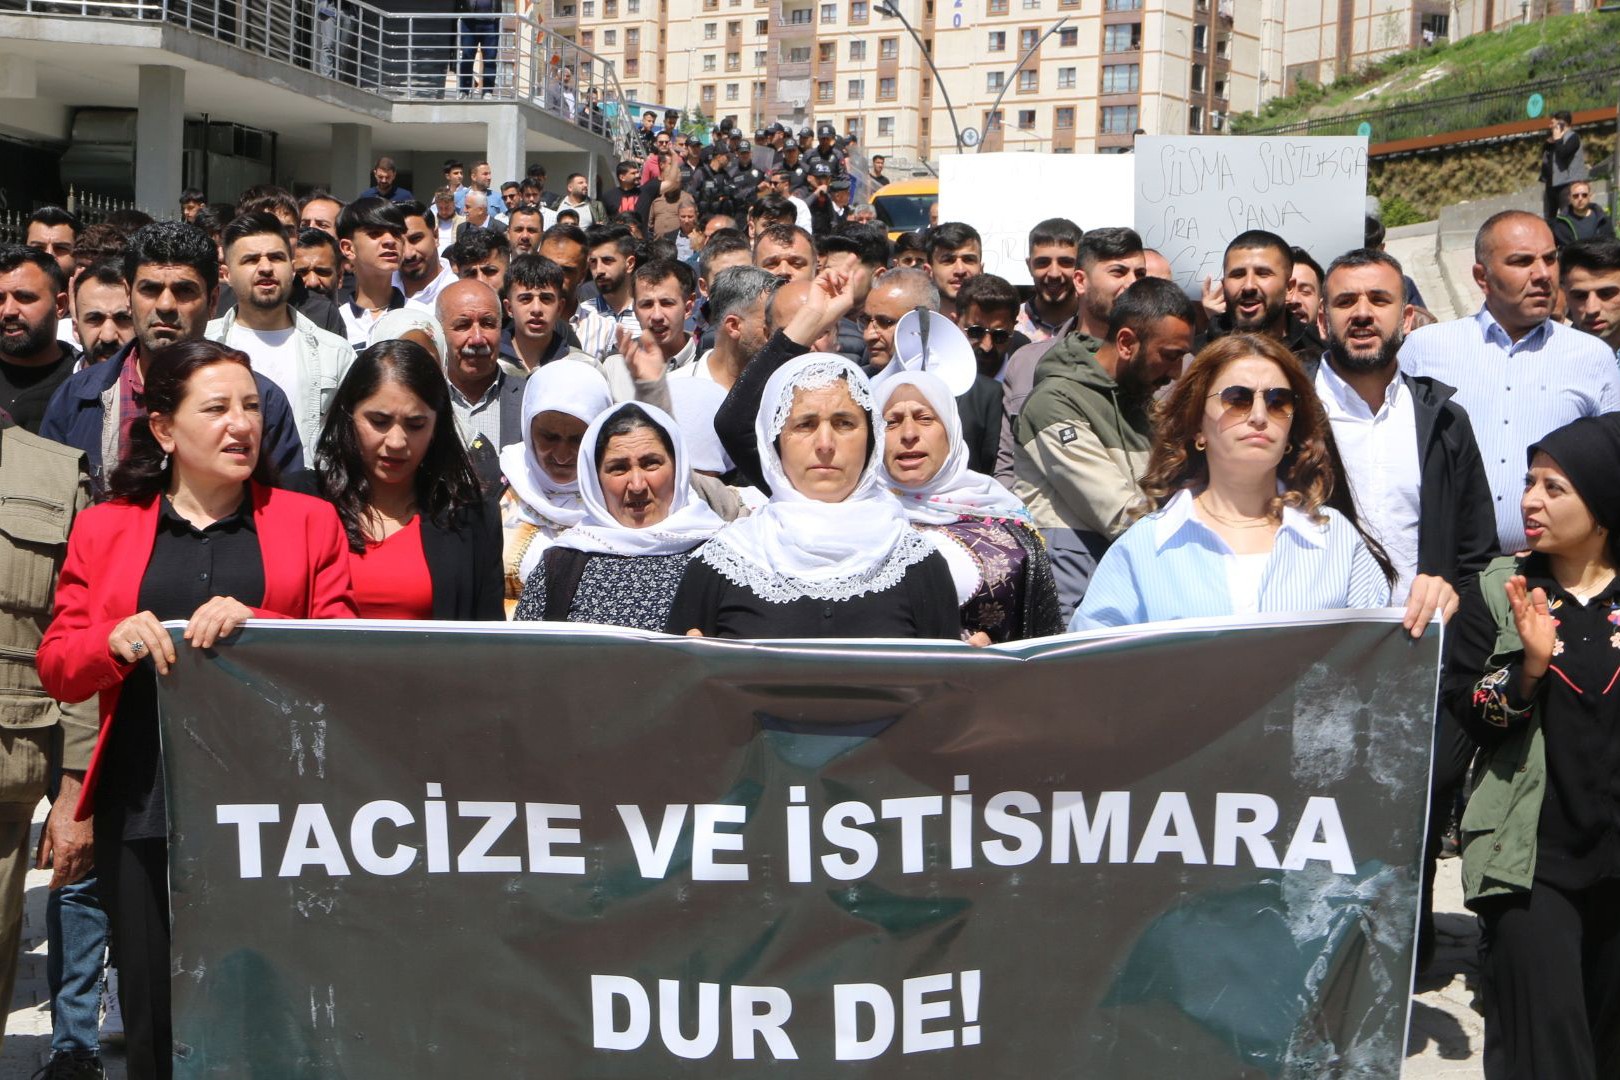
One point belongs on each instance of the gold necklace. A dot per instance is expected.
(1236, 523)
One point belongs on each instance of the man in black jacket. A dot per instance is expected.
(1416, 478)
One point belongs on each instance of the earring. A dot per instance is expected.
(1289, 449)
(1198, 443)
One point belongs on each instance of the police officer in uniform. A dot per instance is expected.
(711, 184)
(764, 155)
(823, 221)
(798, 172)
(826, 153)
(807, 139)
(745, 177)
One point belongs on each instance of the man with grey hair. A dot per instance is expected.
(1511, 344)
(486, 398)
(737, 308)
(478, 215)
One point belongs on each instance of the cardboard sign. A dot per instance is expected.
(1195, 193)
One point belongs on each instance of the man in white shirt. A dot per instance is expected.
(612, 262)
(578, 199)
(1518, 373)
(738, 298)
(371, 233)
(306, 362)
(422, 274)
(662, 292)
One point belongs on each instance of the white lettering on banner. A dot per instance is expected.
(1195, 194)
(934, 1013)
(1240, 827)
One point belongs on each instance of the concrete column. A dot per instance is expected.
(351, 160)
(505, 143)
(160, 128)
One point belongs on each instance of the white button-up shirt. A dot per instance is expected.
(1514, 392)
(1380, 452)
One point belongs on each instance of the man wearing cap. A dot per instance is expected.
(711, 185)
(798, 171)
(746, 177)
(823, 221)
(764, 153)
(825, 152)
(807, 139)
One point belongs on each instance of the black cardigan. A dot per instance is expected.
(463, 557)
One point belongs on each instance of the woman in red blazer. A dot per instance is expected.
(194, 532)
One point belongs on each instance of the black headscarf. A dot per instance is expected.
(1588, 452)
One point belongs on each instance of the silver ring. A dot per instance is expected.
(137, 647)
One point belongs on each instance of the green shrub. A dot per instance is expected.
(1397, 212)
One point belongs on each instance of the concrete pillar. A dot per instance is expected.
(505, 143)
(160, 128)
(351, 160)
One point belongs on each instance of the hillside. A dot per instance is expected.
(1564, 46)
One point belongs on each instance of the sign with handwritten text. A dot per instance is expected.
(1195, 193)
(1005, 195)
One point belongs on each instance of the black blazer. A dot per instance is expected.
(463, 557)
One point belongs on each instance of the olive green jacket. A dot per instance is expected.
(43, 486)
(1500, 824)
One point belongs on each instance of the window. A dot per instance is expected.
(992, 121)
(759, 58)
(610, 9)
(588, 9)
(1121, 78)
(710, 31)
(859, 11)
(857, 89)
(1122, 37)
(708, 61)
(852, 126)
(799, 55)
(1028, 81)
(829, 13)
(1026, 119)
(1222, 48)
(632, 7)
(1196, 82)
(1220, 88)
(1032, 5)
(734, 28)
(1069, 37)
(1063, 117)
(886, 90)
(587, 38)
(708, 94)
(1434, 27)
(1200, 39)
(824, 90)
(1065, 78)
(1122, 5)
(828, 51)
(1027, 38)
(610, 38)
(857, 50)
(762, 27)
(888, 48)
(885, 127)
(1195, 119)
(759, 92)
(998, 41)
(733, 61)
(731, 91)
(632, 67)
(993, 80)
(998, 7)
(632, 38)
(585, 71)
(1118, 119)
(800, 17)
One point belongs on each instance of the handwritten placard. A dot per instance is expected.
(1005, 195)
(1195, 193)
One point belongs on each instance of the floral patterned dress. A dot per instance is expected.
(1016, 598)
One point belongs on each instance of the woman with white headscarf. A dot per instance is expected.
(1002, 573)
(621, 565)
(832, 553)
(541, 500)
(411, 324)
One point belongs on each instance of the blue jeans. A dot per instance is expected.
(476, 33)
(76, 928)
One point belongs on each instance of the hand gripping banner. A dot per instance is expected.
(424, 850)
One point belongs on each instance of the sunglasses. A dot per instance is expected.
(863, 320)
(976, 333)
(1280, 400)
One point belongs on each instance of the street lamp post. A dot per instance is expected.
(888, 10)
(995, 109)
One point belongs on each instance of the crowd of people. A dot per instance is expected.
(693, 405)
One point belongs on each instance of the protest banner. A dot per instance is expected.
(1195, 193)
(1005, 195)
(428, 851)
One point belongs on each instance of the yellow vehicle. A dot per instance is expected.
(903, 205)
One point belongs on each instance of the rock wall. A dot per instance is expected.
(1430, 181)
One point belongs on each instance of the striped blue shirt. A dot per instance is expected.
(1170, 565)
(1514, 392)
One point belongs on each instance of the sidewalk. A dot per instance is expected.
(1444, 1042)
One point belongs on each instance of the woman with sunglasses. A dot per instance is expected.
(1533, 675)
(1238, 483)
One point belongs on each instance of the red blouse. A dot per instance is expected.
(391, 579)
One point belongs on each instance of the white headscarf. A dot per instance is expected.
(565, 386)
(688, 524)
(955, 491)
(395, 324)
(795, 546)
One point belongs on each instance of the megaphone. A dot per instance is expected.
(925, 340)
